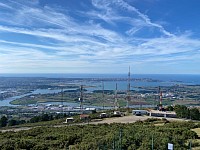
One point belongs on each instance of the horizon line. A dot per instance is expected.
(110, 73)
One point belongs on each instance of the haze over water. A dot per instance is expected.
(184, 78)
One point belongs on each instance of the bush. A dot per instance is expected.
(152, 120)
(128, 136)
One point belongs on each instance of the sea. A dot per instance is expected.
(163, 79)
(185, 78)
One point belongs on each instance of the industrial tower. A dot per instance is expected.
(128, 98)
(116, 100)
(160, 98)
(103, 94)
(81, 97)
(62, 105)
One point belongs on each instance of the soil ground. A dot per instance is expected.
(124, 119)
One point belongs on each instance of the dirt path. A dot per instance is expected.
(17, 129)
(124, 119)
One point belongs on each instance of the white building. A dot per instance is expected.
(140, 112)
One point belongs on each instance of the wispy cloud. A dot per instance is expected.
(140, 20)
(58, 38)
(2, 5)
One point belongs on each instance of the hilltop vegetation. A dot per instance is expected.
(114, 136)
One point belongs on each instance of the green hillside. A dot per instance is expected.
(93, 137)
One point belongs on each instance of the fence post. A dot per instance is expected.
(152, 143)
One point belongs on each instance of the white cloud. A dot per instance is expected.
(144, 20)
(5, 6)
(59, 40)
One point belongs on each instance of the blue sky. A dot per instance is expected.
(100, 36)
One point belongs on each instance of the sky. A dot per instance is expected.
(100, 36)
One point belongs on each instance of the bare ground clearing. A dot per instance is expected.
(124, 119)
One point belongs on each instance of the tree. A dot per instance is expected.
(3, 121)
(194, 114)
(45, 117)
(170, 108)
(12, 122)
(35, 119)
(182, 111)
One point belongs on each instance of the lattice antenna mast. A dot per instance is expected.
(160, 98)
(129, 87)
(62, 100)
(116, 100)
(103, 94)
(81, 97)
